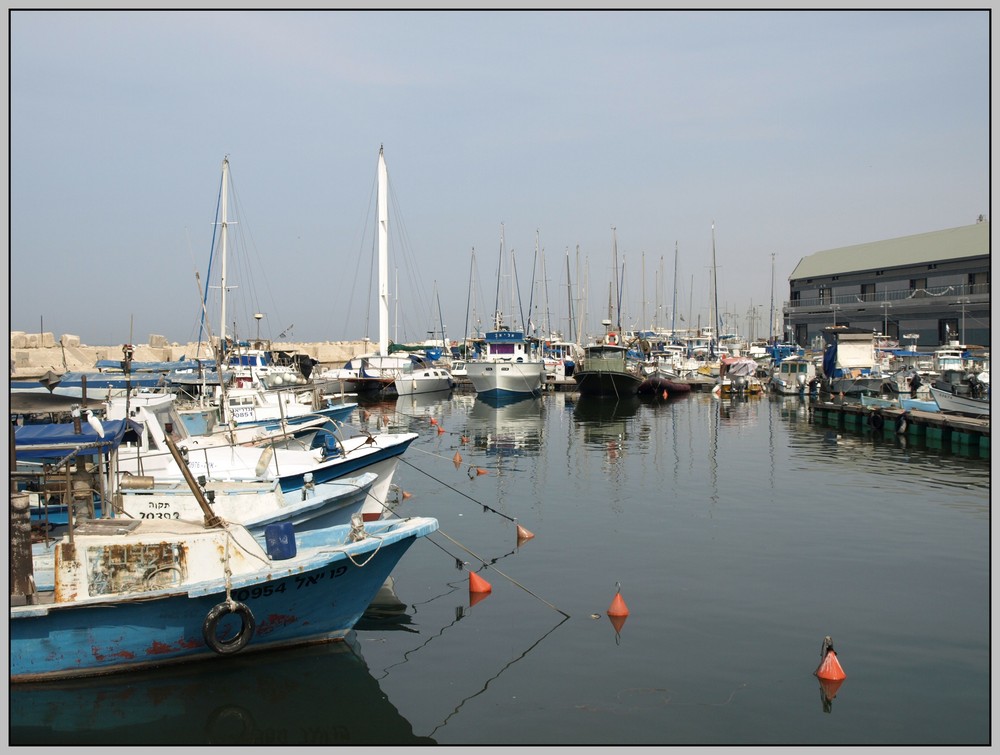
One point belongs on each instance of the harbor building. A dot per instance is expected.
(922, 291)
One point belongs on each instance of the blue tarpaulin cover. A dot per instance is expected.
(59, 438)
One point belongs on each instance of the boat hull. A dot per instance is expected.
(949, 402)
(510, 378)
(607, 383)
(315, 599)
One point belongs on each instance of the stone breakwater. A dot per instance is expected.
(33, 355)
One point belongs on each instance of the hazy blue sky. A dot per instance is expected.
(792, 131)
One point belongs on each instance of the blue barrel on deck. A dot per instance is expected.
(280, 540)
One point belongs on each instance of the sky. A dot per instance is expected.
(530, 154)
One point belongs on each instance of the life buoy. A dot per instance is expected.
(238, 641)
(612, 339)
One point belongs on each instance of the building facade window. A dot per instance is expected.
(947, 329)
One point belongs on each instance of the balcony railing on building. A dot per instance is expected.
(957, 292)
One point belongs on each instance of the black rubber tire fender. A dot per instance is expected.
(239, 641)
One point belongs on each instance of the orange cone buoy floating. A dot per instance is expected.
(407, 495)
(523, 534)
(457, 458)
(829, 667)
(440, 430)
(618, 607)
(480, 470)
(465, 439)
(664, 395)
(433, 421)
(478, 585)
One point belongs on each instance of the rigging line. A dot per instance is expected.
(496, 676)
(508, 578)
(456, 490)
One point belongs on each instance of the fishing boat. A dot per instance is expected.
(506, 362)
(793, 376)
(879, 402)
(420, 376)
(134, 594)
(606, 368)
(335, 450)
(737, 377)
(918, 404)
(507, 365)
(850, 365)
(957, 403)
(163, 410)
(251, 405)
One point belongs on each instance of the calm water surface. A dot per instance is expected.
(739, 535)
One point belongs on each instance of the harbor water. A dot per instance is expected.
(738, 534)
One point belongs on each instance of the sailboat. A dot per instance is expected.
(606, 366)
(507, 364)
(374, 373)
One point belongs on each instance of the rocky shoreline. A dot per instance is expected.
(33, 355)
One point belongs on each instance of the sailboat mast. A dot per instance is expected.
(771, 327)
(569, 301)
(614, 256)
(496, 310)
(383, 255)
(225, 230)
(715, 287)
(673, 310)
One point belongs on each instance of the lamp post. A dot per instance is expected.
(258, 316)
(964, 302)
(835, 307)
(885, 318)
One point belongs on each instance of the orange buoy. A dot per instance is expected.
(465, 439)
(480, 470)
(478, 584)
(407, 495)
(523, 534)
(440, 430)
(618, 607)
(433, 421)
(829, 667)
(665, 395)
(457, 459)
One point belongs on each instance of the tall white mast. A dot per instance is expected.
(225, 227)
(383, 256)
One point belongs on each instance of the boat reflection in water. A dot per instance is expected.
(604, 418)
(506, 426)
(265, 698)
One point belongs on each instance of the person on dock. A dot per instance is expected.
(915, 383)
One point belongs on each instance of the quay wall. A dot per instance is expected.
(33, 355)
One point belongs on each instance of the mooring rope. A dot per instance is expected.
(508, 578)
(456, 490)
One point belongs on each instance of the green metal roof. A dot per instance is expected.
(924, 248)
